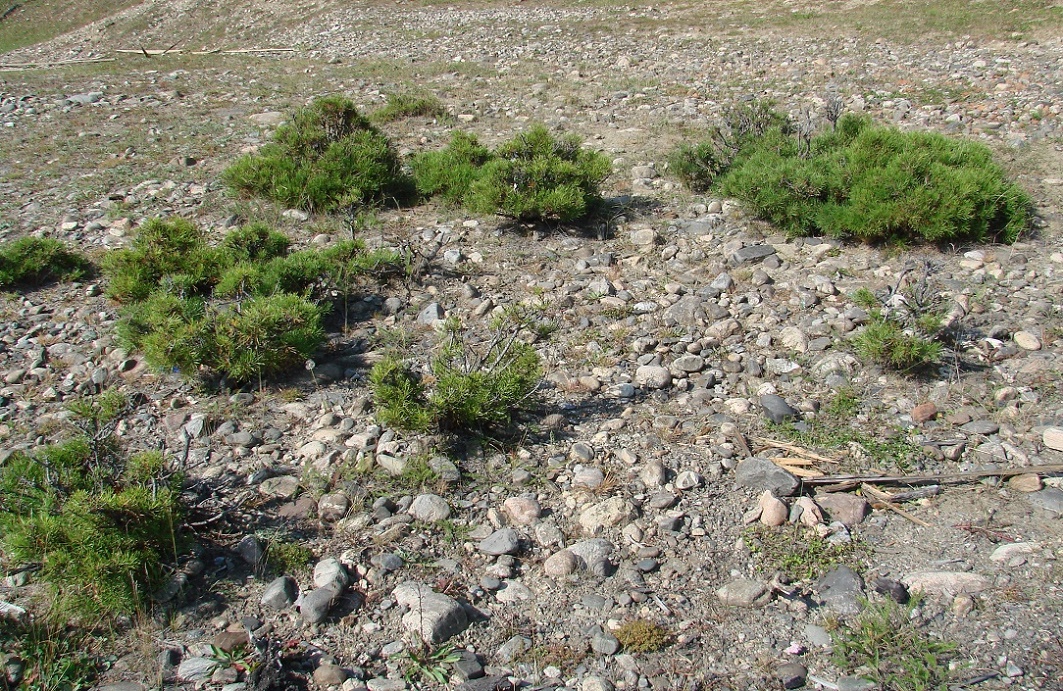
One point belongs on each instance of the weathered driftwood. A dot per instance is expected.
(838, 483)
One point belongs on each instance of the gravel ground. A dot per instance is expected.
(684, 329)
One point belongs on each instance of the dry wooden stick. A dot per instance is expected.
(57, 63)
(884, 500)
(833, 483)
(794, 448)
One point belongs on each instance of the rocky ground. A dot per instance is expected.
(691, 344)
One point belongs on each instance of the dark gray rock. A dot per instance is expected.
(280, 593)
(895, 590)
(777, 409)
(761, 474)
(504, 541)
(752, 253)
(1049, 500)
(792, 675)
(841, 590)
(315, 605)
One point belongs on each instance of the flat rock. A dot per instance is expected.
(606, 514)
(513, 591)
(196, 669)
(330, 571)
(1049, 500)
(593, 555)
(1053, 438)
(522, 510)
(751, 253)
(561, 563)
(503, 541)
(848, 509)
(761, 474)
(333, 507)
(432, 616)
(1027, 340)
(777, 409)
(924, 412)
(1005, 553)
(744, 593)
(946, 582)
(429, 508)
(841, 590)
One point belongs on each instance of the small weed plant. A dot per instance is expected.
(431, 665)
(857, 180)
(642, 636)
(797, 552)
(472, 387)
(31, 262)
(97, 523)
(328, 158)
(887, 647)
(241, 311)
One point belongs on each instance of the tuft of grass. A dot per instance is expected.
(53, 657)
(410, 105)
(430, 665)
(33, 261)
(799, 553)
(328, 158)
(285, 555)
(642, 636)
(887, 647)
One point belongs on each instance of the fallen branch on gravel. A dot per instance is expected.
(840, 483)
(56, 63)
(885, 500)
(159, 52)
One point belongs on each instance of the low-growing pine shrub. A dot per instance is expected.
(878, 184)
(329, 157)
(98, 523)
(244, 310)
(33, 261)
(537, 177)
(905, 329)
(450, 172)
(470, 388)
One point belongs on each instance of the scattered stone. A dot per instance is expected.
(606, 514)
(773, 512)
(841, 590)
(330, 571)
(330, 675)
(792, 675)
(561, 564)
(1053, 438)
(280, 593)
(744, 593)
(333, 507)
(430, 508)
(924, 412)
(1008, 553)
(946, 582)
(653, 377)
(503, 541)
(752, 253)
(1049, 500)
(777, 409)
(196, 669)
(895, 590)
(315, 605)
(1027, 340)
(848, 509)
(1029, 482)
(593, 555)
(432, 616)
(761, 474)
(522, 510)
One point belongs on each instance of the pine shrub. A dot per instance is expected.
(877, 184)
(33, 261)
(537, 177)
(329, 157)
(410, 105)
(100, 524)
(242, 311)
(450, 172)
(471, 387)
